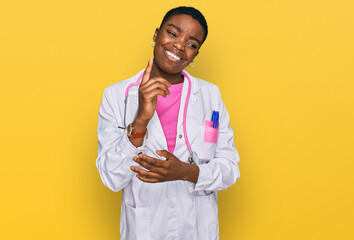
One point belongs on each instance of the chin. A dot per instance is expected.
(169, 69)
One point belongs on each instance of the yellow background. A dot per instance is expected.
(285, 70)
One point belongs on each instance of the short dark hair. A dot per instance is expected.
(194, 13)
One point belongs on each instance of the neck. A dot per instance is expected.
(172, 78)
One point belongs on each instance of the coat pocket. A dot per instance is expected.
(210, 133)
(207, 141)
(134, 223)
(207, 217)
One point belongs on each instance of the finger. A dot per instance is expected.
(150, 175)
(146, 174)
(140, 171)
(147, 72)
(155, 85)
(152, 161)
(149, 165)
(152, 169)
(165, 153)
(148, 180)
(155, 79)
(152, 94)
(143, 163)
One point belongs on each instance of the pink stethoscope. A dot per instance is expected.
(193, 157)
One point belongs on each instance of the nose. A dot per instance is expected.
(179, 44)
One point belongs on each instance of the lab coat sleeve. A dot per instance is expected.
(222, 171)
(115, 151)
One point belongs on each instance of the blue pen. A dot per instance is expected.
(215, 119)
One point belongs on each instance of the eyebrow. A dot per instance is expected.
(180, 30)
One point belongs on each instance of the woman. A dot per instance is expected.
(171, 159)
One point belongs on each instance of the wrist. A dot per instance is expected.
(141, 121)
(140, 125)
(191, 173)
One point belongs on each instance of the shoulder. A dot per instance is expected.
(119, 88)
(204, 86)
(207, 85)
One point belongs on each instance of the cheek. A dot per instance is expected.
(191, 55)
(161, 40)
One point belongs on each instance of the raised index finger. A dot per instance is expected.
(147, 72)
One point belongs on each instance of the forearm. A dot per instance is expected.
(217, 175)
(115, 157)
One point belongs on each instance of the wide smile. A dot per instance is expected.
(172, 56)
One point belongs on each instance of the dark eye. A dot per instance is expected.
(192, 45)
(171, 33)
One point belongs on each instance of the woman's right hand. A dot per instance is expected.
(148, 91)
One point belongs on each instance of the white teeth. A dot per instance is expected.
(172, 55)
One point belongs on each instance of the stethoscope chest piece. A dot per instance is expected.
(193, 158)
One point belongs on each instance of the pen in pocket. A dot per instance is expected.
(215, 119)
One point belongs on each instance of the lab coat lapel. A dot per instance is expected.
(193, 98)
(132, 105)
(157, 131)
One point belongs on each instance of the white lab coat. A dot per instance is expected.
(174, 210)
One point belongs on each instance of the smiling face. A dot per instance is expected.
(177, 43)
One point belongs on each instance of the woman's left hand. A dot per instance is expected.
(164, 170)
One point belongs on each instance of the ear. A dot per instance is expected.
(155, 34)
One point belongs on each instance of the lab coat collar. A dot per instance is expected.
(195, 84)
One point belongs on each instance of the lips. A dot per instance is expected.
(172, 56)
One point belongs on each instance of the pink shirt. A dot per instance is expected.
(167, 109)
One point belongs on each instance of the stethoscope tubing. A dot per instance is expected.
(184, 111)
